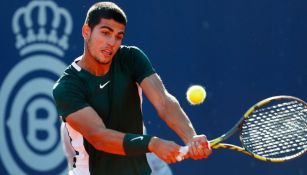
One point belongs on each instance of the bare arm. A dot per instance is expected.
(170, 111)
(87, 122)
(168, 107)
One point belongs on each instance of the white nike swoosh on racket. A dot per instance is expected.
(136, 138)
(102, 86)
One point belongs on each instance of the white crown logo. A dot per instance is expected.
(42, 26)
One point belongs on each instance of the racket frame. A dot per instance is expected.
(217, 143)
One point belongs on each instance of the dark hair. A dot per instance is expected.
(107, 10)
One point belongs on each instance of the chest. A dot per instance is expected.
(112, 93)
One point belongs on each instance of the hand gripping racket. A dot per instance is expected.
(273, 130)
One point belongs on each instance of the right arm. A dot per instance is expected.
(72, 106)
(87, 122)
(71, 103)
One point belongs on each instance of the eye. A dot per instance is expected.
(119, 37)
(106, 33)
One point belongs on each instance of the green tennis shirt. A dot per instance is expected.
(117, 100)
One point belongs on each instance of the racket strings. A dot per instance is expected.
(276, 131)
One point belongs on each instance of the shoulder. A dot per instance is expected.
(67, 82)
(130, 51)
(129, 48)
(136, 62)
(129, 56)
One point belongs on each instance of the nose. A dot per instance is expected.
(111, 41)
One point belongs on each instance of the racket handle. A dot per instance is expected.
(182, 152)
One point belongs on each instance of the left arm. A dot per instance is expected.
(170, 111)
(168, 108)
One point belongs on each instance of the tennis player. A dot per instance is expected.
(99, 99)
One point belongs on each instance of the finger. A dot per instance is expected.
(173, 159)
(205, 144)
(196, 152)
(186, 156)
(202, 138)
(208, 151)
(204, 150)
(208, 146)
(179, 158)
(193, 150)
(200, 147)
(168, 160)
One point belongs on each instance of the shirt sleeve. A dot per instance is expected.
(69, 98)
(141, 67)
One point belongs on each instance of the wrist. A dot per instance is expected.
(152, 144)
(135, 144)
(190, 138)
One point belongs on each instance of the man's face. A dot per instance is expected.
(104, 40)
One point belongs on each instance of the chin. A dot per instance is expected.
(104, 60)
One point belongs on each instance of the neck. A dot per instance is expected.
(90, 64)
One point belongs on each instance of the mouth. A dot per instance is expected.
(107, 52)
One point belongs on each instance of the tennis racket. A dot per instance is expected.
(273, 130)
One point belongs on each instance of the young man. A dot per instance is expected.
(99, 98)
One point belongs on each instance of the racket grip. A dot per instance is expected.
(182, 152)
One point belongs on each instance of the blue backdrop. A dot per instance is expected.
(241, 51)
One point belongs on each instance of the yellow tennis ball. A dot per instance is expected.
(196, 94)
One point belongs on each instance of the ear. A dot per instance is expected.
(86, 31)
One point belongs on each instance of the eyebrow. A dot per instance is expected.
(109, 28)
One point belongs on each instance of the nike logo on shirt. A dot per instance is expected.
(136, 138)
(101, 86)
